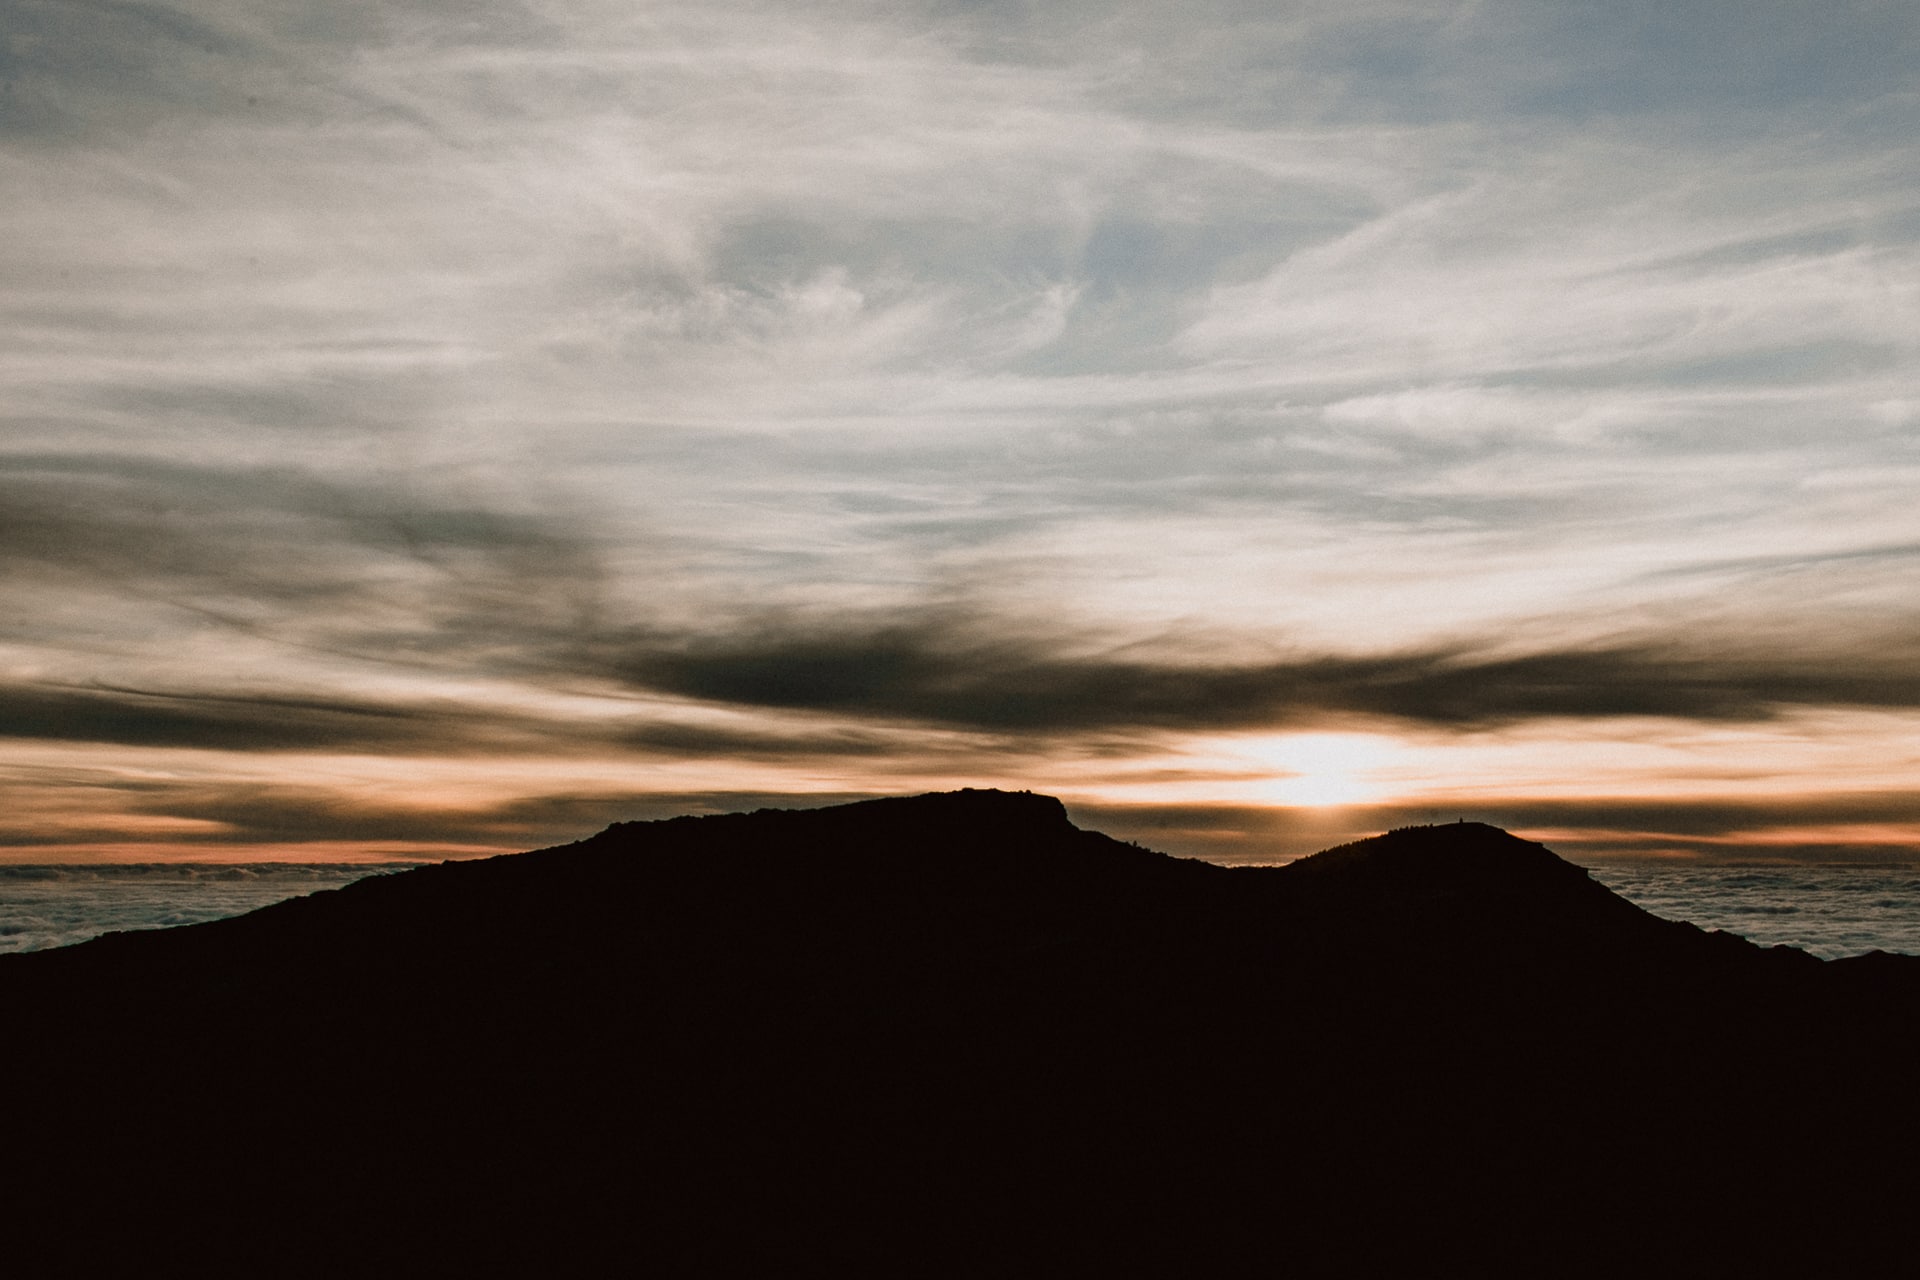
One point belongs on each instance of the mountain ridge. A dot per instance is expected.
(953, 1033)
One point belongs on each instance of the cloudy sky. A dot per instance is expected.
(442, 428)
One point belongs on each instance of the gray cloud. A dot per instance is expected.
(874, 685)
(281, 551)
(219, 722)
(686, 740)
(941, 673)
(385, 576)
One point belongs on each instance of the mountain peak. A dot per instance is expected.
(1437, 886)
(1441, 850)
(970, 805)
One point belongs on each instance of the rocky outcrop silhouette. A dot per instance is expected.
(954, 1034)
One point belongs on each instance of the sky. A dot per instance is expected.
(445, 428)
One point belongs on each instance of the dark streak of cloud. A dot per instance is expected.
(519, 596)
(924, 671)
(397, 574)
(280, 722)
(231, 722)
(120, 512)
(1705, 827)
(241, 814)
(710, 741)
(1797, 562)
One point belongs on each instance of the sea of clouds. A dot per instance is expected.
(1828, 911)
(52, 906)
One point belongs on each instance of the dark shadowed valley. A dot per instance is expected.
(954, 1034)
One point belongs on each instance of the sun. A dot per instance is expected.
(1321, 770)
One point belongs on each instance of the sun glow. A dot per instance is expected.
(1321, 770)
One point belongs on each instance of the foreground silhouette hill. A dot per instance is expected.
(953, 1034)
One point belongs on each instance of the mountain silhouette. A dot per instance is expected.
(954, 1034)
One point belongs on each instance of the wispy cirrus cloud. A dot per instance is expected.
(824, 388)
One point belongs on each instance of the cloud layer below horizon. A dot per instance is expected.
(445, 430)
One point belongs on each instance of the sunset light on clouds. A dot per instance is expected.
(446, 429)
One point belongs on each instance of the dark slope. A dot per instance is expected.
(954, 1034)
